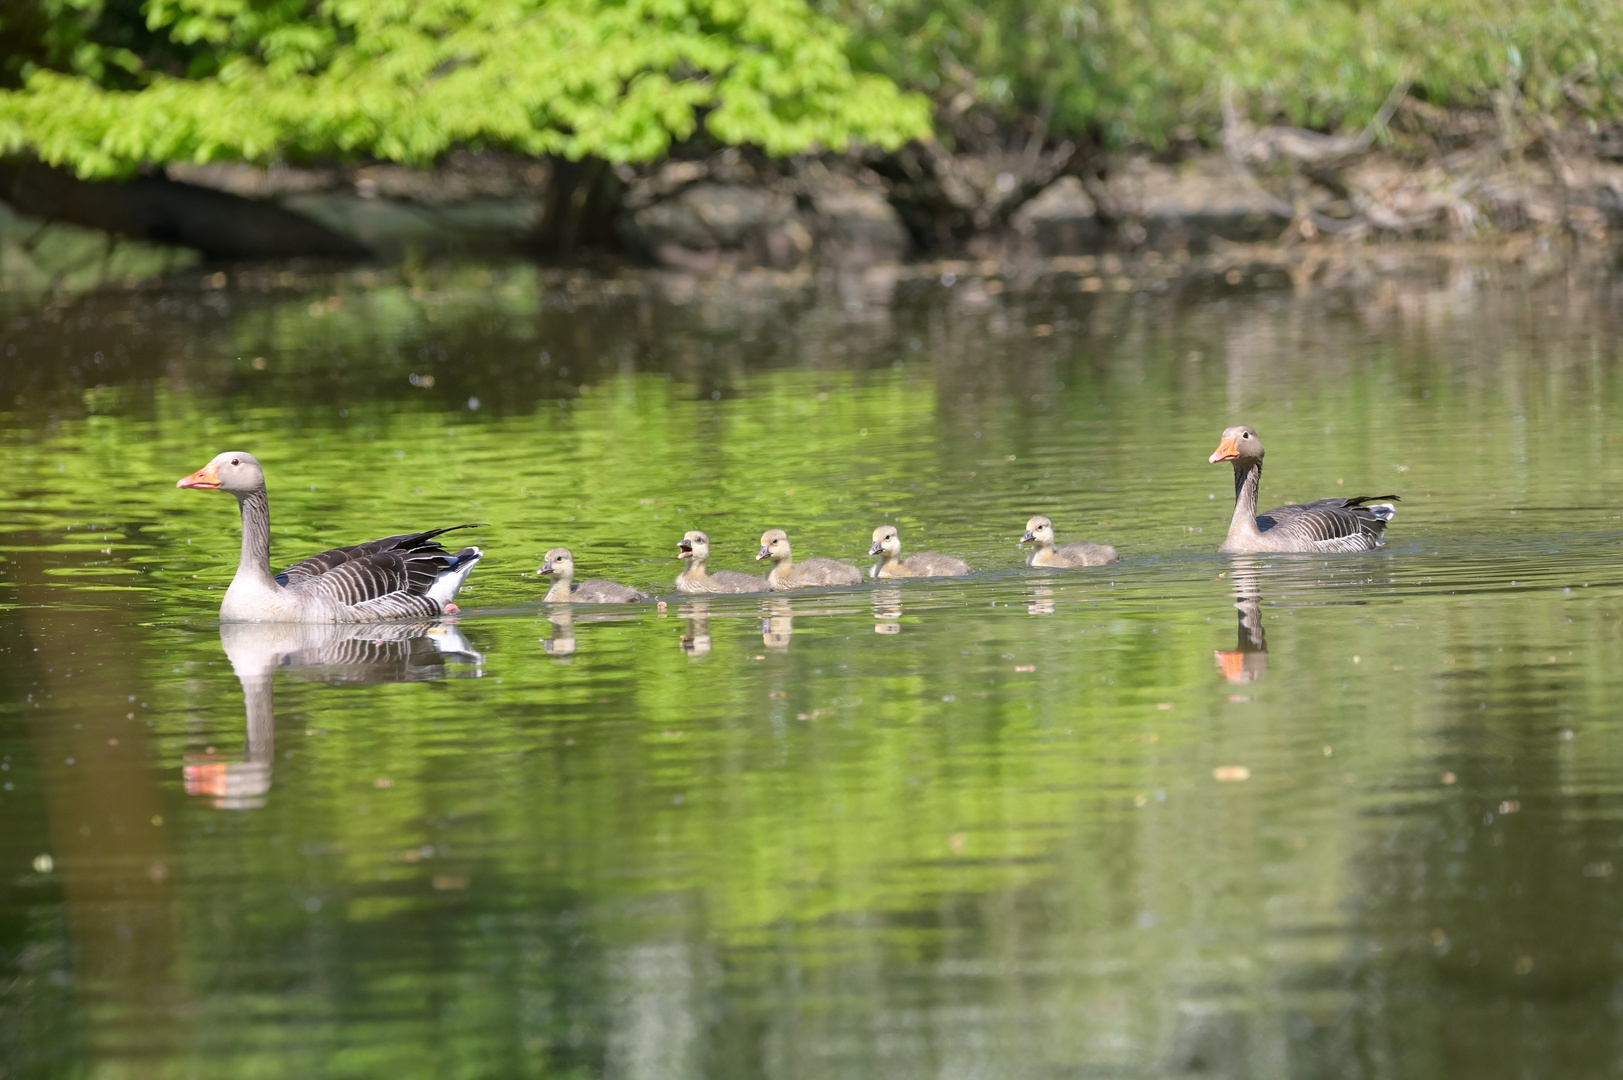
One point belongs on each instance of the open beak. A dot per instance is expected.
(763, 553)
(684, 550)
(205, 477)
(1028, 538)
(1226, 451)
(876, 549)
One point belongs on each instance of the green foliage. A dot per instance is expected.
(262, 80)
(1150, 70)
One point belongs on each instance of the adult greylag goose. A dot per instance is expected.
(788, 574)
(398, 577)
(1040, 530)
(695, 547)
(1325, 525)
(887, 544)
(561, 565)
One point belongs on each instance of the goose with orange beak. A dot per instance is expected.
(1325, 525)
(409, 576)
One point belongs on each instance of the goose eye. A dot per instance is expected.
(234, 461)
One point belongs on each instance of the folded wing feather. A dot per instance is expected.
(391, 578)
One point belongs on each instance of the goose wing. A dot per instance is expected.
(328, 561)
(393, 578)
(1332, 524)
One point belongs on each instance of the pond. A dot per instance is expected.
(1280, 816)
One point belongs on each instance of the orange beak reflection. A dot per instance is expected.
(1241, 665)
(205, 477)
(1225, 451)
(207, 778)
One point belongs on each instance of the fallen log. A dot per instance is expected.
(157, 209)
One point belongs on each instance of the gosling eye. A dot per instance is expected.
(234, 461)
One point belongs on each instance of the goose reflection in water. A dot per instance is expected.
(347, 653)
(1041, 600)
(1247, 661)
(887, 608)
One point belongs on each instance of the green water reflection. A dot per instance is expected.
(1190, 814)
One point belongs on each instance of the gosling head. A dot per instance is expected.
(1039, 530)
(886, 542)
(559, 563)
(233, 471)
(774, 546)
(1239, 443)
(694, 545)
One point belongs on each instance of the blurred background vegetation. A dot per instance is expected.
(1150, 71)
(107, 86)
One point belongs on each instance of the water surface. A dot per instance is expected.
(1284, 816)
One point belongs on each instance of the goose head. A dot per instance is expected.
(1039, 530)
(559, 563)
(774, 546)
(886, 542)
(1239, 443)
(694, 545)
(233, 471)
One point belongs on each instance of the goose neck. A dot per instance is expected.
(254, 564)
(1247, 479)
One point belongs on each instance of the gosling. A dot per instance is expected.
(561, 565)
(887, 544)
(695, 547)
(1040, 530)
(788, 574)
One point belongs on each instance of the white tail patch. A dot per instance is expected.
(447, 585)
(448, 640)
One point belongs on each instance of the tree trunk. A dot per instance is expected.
(583, 199)
(219, 224)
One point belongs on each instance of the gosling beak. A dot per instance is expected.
(546, 567)
(1028, 538)
(763, 553)
(876, 549)
(684, 550)
(1226, 451)
(205, 477)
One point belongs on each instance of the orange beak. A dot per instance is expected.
(205, 477)
(1225, 451)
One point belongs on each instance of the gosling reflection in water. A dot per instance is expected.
(1041, 600)
(1247, 661)
(887, 609)
(778, 624)
(696, 641)
(563, 619)
(562, 642)
(348, 653)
